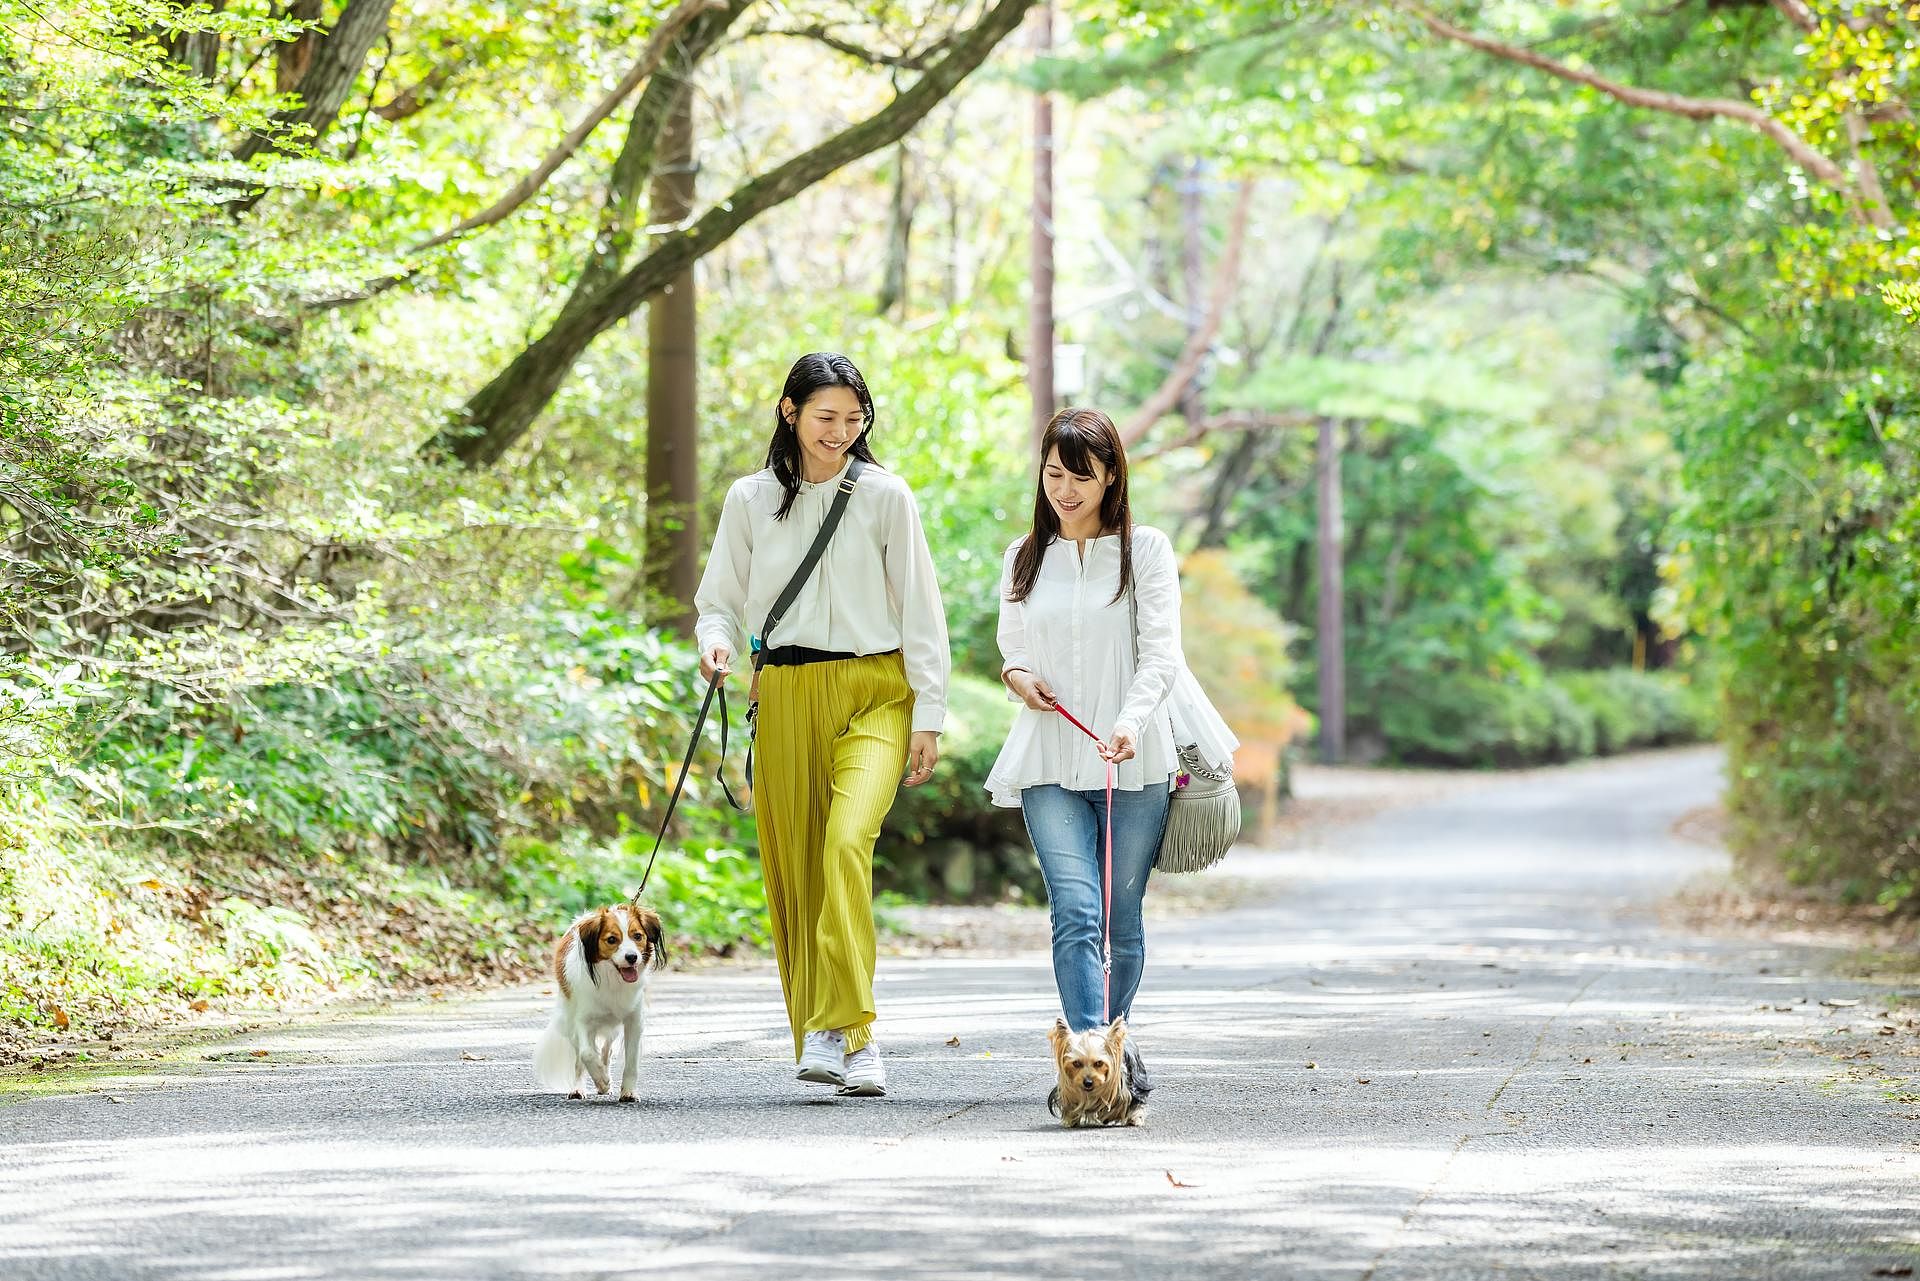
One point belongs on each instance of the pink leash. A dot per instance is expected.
(1106, 912)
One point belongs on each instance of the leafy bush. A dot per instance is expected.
(1795, 558)
(954, 801)
(1476, 721)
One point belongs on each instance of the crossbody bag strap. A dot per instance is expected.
(1172, 699)
(791, 592)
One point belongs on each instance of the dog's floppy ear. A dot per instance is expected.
(589, 928)
(1116, 1037)
(649, 922)
(1057, 1037)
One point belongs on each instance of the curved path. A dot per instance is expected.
(1452, 1042)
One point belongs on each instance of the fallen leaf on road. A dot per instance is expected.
(1364, 1080)
(1840, 1003)
(1312, 1064)
(1176, 1183)
(472, 1058)
(60, 1019)
(1887, 1031)
(954, 1040)
(1586, 1060)
(259, 1054)
(1896, 1270)
(198, 1007)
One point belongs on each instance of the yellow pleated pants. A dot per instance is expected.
(829, 751)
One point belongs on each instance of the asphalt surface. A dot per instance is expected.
(1450, 1041)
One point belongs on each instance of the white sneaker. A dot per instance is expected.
(823, 1057)
(866, 1075)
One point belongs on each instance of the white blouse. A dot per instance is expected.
(1071, 633)
(873, 591)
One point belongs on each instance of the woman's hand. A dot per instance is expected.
(715, 660)
(1118, 748)
(1030, 689)
(923, 753)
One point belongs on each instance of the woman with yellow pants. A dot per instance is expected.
(852, 690)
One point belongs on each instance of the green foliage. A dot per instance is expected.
(1237, 649)
(953, 803)
(1796, 557)
(1476, 721)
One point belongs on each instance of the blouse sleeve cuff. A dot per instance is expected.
(930, 717)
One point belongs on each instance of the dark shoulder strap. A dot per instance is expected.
(812, 558)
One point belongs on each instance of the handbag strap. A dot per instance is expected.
(791, 592)
(1174, 719)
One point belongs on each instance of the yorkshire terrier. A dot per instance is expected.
(1102, 1081)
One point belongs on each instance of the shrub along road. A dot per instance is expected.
(1452, 1041)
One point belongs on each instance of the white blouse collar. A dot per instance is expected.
(814, 486)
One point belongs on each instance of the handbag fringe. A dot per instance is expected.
(1200, 830)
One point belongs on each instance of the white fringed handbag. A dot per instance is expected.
(1203, 814)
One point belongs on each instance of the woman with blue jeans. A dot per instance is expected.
(1089, 621)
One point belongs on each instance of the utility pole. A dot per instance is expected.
(1040, 270)
(1330, 638)
(672, 554)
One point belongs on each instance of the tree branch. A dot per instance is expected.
(501, 412)
(1803, 153)
(912, 60)
(518, 194)
(1798, 14)
(415, 98)
(1162, 401)
(329, 77)
(1236, 420)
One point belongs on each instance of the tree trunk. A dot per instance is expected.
(893, 280)
(1194, 292)
(500, 413)
(1040, 270)
(1235, 469)
(198, 51)
(337, 60)
(673, 429)
(1330, 641)
(294, 58)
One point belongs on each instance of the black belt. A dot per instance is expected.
(801, 656)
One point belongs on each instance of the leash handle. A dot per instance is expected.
(715, 688)
(1106, 911)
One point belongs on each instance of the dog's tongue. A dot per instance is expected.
(631, 973)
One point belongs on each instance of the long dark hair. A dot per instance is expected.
(1081, 436)
(812, 373)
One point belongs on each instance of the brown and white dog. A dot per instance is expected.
(601, 965)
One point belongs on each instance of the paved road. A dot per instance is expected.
(1453, 1044)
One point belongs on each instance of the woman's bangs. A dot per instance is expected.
(1078, 447)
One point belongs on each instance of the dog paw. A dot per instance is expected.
(628, 1098)
(574, 1095)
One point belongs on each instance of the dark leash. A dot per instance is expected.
(715, 688)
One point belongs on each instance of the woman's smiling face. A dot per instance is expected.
(1074, 497)
(827, 426)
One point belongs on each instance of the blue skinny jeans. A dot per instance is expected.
(1068, 830)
